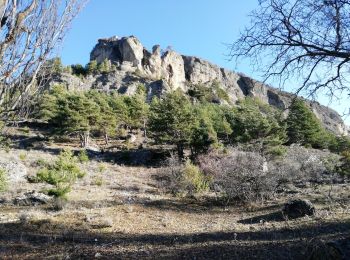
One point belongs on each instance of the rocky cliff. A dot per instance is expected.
(162, 71)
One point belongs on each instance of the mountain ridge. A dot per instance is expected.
(163, 71)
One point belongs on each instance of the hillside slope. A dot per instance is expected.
(162, 71)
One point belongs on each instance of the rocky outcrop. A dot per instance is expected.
(15, 171)
(162, 71)
(32, 199)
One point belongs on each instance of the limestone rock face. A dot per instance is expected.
(71, 82)
(174, 69)
(127, 49)
(165, 71)
(106, 49)
(131, 50)
(199, 71)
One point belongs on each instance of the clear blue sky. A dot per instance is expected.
(192, 27)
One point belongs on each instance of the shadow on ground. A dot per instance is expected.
(274, 216)
(26, 241)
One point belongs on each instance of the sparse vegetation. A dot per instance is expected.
(345, 163)
(22, 156)
(3, 180)
(184, 178)
(240, 175)
(83, 156)
(164, 167)
(61, 174)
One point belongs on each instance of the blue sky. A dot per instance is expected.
(192, 27)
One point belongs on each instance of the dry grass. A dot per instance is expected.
(128, 217)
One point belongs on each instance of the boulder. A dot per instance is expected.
(32, 199)
(298, 208)
(16, 171)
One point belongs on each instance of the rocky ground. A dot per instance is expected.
(118, 212)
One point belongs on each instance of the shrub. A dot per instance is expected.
(240, 176)
(40, 163)
(278, 150)
(345, 163)
(83, 156)
(61, 174)
(193, 179)
(78, 70)
(3, 180)
(102, 167)
(184, 179)
(98, 181)
(301, 165)
(22, 156)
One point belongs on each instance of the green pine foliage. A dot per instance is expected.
(172, 120)
(253, 120)
(105, 66)
(92, 67)
(83, 156)
(212, 94)
(303, 126)
(178, 120)
(106, 120)
(78, 70)
(61, 174)
(70, 112)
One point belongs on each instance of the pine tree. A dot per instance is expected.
(92, 67)
(75, 113)
(172, 120)
(303, 126)
(106, 121)
(253, 120)
(105, 66)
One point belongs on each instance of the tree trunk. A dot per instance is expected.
(106, 138)
(84, 139)
(180, 151)
(144, 130)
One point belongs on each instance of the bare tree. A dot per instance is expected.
(30, 31)
(306, 40)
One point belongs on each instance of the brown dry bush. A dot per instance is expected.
(248, 176)
(239, 175)
(183, 178)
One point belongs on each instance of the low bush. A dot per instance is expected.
(240, 176)
(193, 180)
(22, 156)
(184, 179)
(83, 156)
(98, 181)
(344, 168)
(276, 151)
(61, 174)
(3, 180)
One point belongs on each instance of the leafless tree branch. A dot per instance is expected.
(30, 31)
(303, 39)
